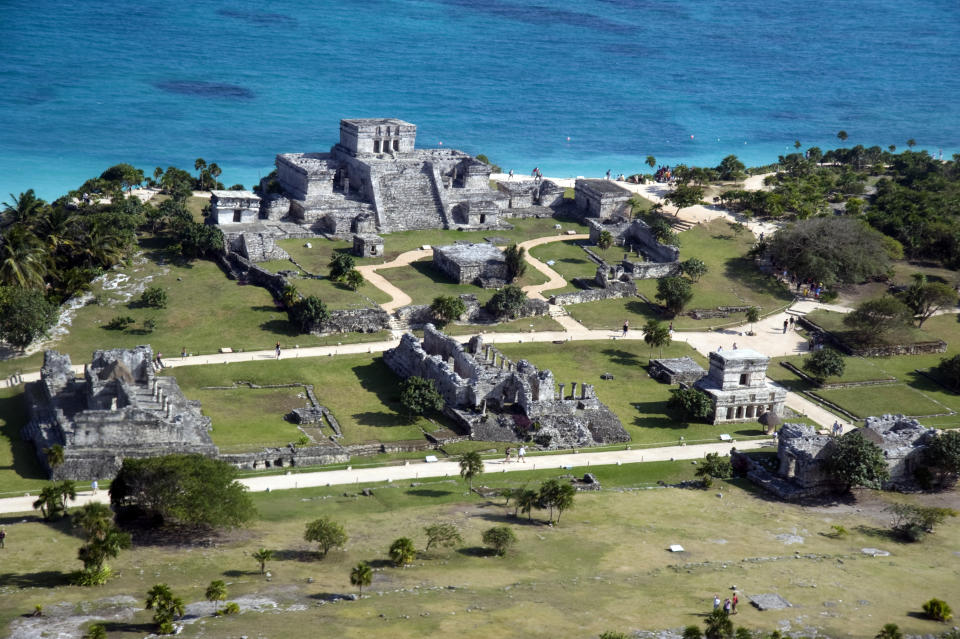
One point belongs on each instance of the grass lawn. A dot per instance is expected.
(732, 280)
(335, 295)
(360, 390)
(571, 261)
(876, 400)
(550, 583)
(637, 399)
(865, 401)
(317, 258)
(205, 311)
(246, 419)
(856, 369)
(423, 283)
(19, 469)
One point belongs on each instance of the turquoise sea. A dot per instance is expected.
(574, 87)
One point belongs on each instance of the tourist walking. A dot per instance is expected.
(726, 606)
(733, 603)
(671, 328)
(94, 486)
(522, 454)
(183, 352)
(278, 350)
(735, 346)
(3, 537)
(510, 175)
(159, 360)
(786, 323)
(507, 459)
(626, 327)
(716, 602)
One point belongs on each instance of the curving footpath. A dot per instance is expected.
(398, 297)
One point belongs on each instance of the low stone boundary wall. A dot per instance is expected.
(886, 350)
(869, 382)
(288, 457)
(614, 290)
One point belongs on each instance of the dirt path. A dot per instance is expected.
(399, 298)
(535, 291)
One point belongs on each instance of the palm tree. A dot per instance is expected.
(262, 556)
(67, 489)
(216, 592)
(49, 502)
(24, 208)
(200, 164)
(718, 625)
(564, 499)
(214, 171)
(22, 259)
(796, 144)
(54, 455)
(56, 225)
(471, 465)
(95, 518)
(361, 576)
(96, 551)
(753, 316)
(157, 174)
(528, 500)
(651, 161)
(842, 135)
(167, 606)
(655, 334)
(402, 551)
(911, 143)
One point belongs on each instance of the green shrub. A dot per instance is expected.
(500, 538)
(938, 610)
(231, 608)
(119, 323)
(154, 296)
(91, 576)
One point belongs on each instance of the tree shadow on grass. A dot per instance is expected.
(622, 358)
(296, 555)
(477, 551)
(239, 573)
(138, 629)
(425, 268)
(25, 462)
(266, 309)
(280, 327)
(655, 415)
(377, 378)
(648, 311)
(42, 579)
(744, 272)
(879, 533)
(427, 492)
(379, 419)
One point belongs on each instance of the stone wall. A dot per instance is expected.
(881, 350)
(650, 270)
(288, 457)
(614, 290)
(358, 320)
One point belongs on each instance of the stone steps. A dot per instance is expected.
(409, 201)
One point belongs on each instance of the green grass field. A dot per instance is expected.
(732, 280)
(423, 283)
(570, 261)
(317, 258)
(832, 322)
(919, 392)
(578, 579)
(247, 419)
(523, 325)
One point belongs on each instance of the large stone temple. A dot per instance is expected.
(376, 180)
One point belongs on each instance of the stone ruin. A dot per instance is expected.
(468, 263)
(603, 199)
(234, 207)
(802, 455)
(738, 387)
(650, 259)
(367, 245)
(120, 408)
(494, 399)
(376, 171)
(678, 370)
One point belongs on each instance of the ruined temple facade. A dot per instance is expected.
(495, 399)
(377, 171)
(603, 199)
(738, 387)
(120, 408)
(803, 455)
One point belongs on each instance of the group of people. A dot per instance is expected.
(788, 324)
(809, 287)
(521, 455)
(729, 604)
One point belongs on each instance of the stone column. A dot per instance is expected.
(113, 403)
(561, 390)
(484, 408)
(573, 390)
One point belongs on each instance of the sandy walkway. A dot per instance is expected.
(416, 470)
(399, 298)
(535, 291)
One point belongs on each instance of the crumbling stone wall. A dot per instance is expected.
(477, 381)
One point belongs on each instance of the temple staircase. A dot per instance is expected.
(408, 200)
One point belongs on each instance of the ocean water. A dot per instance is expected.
(574, 87)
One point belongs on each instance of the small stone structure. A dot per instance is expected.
(495, 399)
(803, 453)
(680, 370)
(523, 193)
(120, 409)
(602, 199)
(234, 207)
(658, 259)
(738, 387)
(367, 245)
(467, 263)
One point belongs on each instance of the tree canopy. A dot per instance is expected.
(873, 320)
(856, 461)
(447, 308)
(675, 293)
(418, 396)
(826, 362)
(926, 298)
(507, 301)
(181, 490)
(830, 250)
(327, 534)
